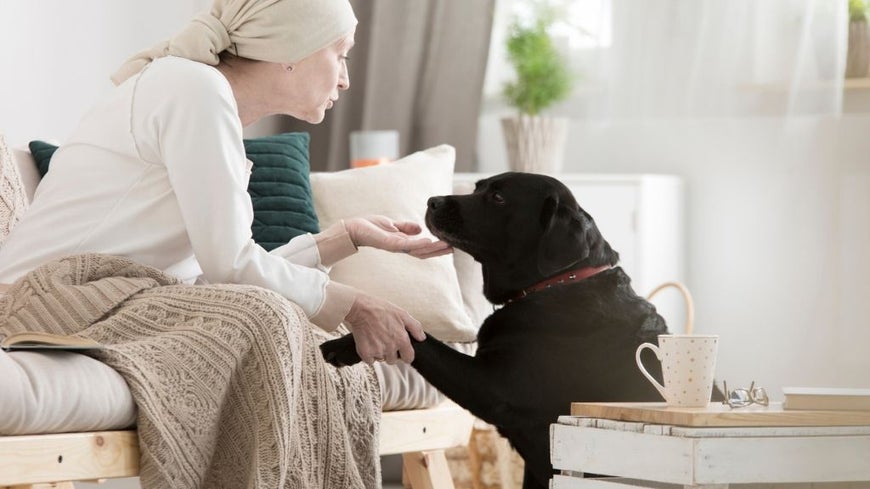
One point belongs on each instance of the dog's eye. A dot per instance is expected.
(497, 198)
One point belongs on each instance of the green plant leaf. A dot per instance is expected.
(542, 75)
(857, 10)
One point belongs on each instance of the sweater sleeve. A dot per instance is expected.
(320, 250)
(189, 117)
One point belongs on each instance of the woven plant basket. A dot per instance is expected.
(858, 55)
(535, 144)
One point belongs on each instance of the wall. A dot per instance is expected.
(778, 238)
(58, 55)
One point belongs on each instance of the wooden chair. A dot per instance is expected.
(56, 460)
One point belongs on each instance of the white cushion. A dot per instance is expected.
(427, 289)
(470, 274)
(27, 170)
(13, 199)
(57, 391)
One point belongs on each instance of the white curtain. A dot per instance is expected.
(715, 58)
(718, 58)
(655, 59)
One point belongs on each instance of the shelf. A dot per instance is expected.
(847, 84)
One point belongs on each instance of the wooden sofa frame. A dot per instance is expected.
(56, 460)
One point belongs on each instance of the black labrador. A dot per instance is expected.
(569, 323)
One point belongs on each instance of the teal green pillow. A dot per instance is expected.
(280, 189)
(42, 152)
(279, 186)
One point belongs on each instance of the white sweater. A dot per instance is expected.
(157, 173)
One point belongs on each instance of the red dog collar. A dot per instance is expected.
(563, 278)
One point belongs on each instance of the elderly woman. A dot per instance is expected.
(156, 173)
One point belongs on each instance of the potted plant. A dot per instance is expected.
(858, 54)
(535, 143)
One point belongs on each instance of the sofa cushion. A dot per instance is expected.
(427, 289)
(13, 198)
(470, 274)
(27, 170)
(279, 186)
(56, 391)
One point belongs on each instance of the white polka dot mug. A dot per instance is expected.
(688, 365)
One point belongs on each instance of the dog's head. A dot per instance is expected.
(522, 227)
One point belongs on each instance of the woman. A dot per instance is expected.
(157, 172)
(229, 384)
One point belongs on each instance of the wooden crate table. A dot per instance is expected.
(650, 445)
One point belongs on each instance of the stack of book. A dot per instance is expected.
(826, 398)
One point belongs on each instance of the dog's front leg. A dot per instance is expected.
(466, 380)
(340, 352)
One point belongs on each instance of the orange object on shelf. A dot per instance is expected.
(363, 162)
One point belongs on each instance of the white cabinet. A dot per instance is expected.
(642, 218)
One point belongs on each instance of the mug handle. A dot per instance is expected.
(646, 374)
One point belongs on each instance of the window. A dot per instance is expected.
(582, 26)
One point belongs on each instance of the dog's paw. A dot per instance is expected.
(340, 352)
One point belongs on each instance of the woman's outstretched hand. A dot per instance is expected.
(381, 330)
(397, 236)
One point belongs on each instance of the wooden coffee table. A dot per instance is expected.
(650, 445)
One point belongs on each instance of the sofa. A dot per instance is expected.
(78, 423)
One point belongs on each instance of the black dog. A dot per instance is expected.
(569, 325)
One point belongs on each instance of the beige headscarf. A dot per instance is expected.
(280, 31)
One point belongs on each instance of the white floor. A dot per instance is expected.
(391, 467)
(133, 483)
(391, 471)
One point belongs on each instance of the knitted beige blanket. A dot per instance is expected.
(229, 383)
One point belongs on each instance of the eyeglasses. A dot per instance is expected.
(743, 397)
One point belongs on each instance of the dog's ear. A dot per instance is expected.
(563, 240)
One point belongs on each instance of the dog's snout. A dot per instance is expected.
(436, 202)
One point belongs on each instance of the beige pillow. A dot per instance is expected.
(428, 289)
(470, 274)
(13, 199)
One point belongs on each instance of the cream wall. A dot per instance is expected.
(57, 56)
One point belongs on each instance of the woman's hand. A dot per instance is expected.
(384, 233)
(381, 330)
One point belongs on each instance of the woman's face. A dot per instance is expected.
(313, 85)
